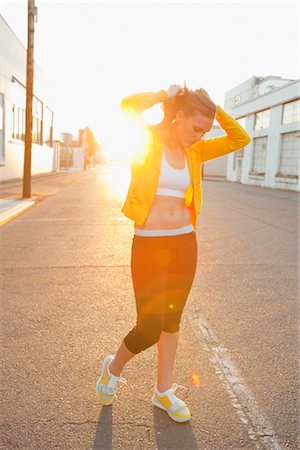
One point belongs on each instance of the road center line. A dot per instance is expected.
(241, 397)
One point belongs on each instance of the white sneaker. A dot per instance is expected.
(106, 383)
(168, 401)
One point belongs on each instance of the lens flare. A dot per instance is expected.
(195, 379)
(153, 115)
(136, 138)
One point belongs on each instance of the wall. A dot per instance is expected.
(13, 64)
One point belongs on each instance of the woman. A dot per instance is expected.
(164, 200)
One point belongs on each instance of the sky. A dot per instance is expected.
(95, 53)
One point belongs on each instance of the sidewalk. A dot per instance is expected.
(12, 202)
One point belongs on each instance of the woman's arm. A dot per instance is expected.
(236, 137)
(142, 101)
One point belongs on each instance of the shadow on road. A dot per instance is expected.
(103, 437)
(173, 435)
(168, 434)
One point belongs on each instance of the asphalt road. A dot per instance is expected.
(68, 302)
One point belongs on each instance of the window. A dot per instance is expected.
(262, 120)
(259, 155)
(40, 119)
(291, 112)
(239, 154)
(18, 110)
(242, 121)
(1, 127)
(48, 126)
(290, 152)
(37, 115)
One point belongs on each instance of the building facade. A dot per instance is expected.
(215, 168)
(13, 57)
(269, 109)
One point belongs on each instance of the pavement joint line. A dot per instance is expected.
(67, 219)
(235, 235)
(61, 267)
(242, 399)
(86, 422)
(128, 265)
(267, 224)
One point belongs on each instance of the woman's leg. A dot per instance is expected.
(167, 347)
(149, 274)
(180, 278)
(122, 356)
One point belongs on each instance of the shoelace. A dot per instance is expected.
(122, 381)
(113, 392)
(173, 389)
(175, 386)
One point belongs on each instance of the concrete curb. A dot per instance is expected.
(44, 185)
(11, 208)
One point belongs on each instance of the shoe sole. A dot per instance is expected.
(107, 359)
(159, 405)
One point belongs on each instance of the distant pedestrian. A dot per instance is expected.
(163, 200)
(89, 149)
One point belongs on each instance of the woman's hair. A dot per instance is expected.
(190, 102)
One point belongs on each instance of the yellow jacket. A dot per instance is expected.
(144, 177)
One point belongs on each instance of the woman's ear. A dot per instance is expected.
(179, 115)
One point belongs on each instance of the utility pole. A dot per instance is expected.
(29, 95)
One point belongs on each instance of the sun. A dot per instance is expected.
(127, 138)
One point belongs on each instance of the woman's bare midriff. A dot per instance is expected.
(166, 213)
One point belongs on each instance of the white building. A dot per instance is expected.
(216, 168)
(269, 109)
(12, 111)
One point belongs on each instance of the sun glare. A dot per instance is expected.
(127, 139)
(117, 179)
(124, 140)
(153, 115)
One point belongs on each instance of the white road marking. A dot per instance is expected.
(242, 399)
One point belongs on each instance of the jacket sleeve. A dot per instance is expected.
(142, 101)
(236, 138)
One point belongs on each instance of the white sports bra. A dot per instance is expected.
(172, 181)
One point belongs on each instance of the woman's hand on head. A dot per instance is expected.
(174, 90)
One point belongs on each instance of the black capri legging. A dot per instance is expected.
(163, 270)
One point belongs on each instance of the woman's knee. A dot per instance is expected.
(139, 338)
